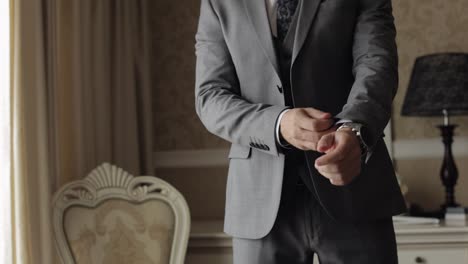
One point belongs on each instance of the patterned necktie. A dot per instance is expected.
(285, 12)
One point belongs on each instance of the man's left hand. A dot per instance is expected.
(342, 160)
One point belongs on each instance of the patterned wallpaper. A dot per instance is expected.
(427, 26)
(177, 126)
(424, 26)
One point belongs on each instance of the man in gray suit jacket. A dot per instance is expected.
(303, 90)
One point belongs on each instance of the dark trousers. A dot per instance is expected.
(303, 228)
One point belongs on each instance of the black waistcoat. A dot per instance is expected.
(295, 159)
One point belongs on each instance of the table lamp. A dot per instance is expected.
(439, 87)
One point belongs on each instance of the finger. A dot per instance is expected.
(341, 170)
(330, 176)
(326, 142)
(334, 179)
(337, 179)
(306, 135)
(337, 182)
(343, 175)
(330, 168)
(316, 125)
(338, 153)
(328, 172)
(305, 121)
(342, 148)
(349, 164)
(315, 113)
(305, 145)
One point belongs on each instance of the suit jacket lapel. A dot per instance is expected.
(257, 13)
(308, 11)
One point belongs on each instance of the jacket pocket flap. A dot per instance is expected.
(239, 151)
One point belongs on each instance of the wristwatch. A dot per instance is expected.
(357, 129)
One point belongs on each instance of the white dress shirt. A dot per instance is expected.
(271, 9)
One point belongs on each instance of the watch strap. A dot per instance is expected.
(356, 128)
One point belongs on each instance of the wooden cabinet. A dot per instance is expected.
(428, 244)
(433, 254)
(438, 244)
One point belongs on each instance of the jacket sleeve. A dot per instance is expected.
(218, 100)
(375, 70)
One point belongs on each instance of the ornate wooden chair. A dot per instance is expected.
(112, 217)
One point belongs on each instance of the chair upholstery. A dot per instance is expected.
(111, 217)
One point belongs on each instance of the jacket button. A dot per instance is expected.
(280, 89)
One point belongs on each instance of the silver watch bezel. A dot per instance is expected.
(355, 127)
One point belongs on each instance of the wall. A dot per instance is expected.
(428, 26)
(424, 26)
(177, 127)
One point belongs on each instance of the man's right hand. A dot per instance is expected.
(303, 127)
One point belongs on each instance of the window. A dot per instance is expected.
(5, 156)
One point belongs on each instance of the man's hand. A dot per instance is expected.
(303, 127)
(342, 160)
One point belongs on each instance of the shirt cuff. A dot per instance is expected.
(342, 121)
(277, 130)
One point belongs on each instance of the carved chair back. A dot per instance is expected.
(112, 217)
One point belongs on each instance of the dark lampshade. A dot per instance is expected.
(438, 82)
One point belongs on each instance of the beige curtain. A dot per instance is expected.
(101, 93)
(31, 193)
(81, 95)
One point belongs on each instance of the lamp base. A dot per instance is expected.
(448, 171)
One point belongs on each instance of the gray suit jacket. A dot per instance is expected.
(344, 62)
